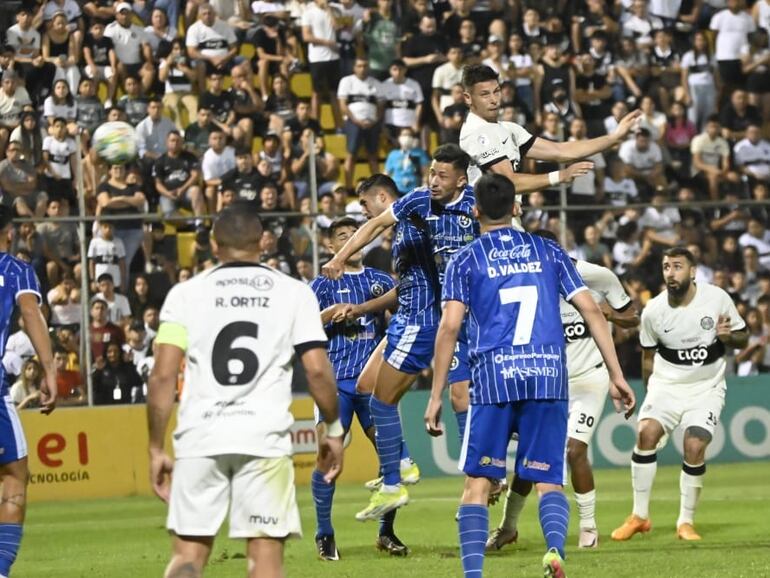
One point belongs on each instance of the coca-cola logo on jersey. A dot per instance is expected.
(696, 355)
(515, 252)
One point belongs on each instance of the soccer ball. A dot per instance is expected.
(115, 143)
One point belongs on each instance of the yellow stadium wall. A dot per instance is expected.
(102, 452)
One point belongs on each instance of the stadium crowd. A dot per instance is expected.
(230, 99)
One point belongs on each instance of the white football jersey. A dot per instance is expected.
(582, 353)
(689, 354)
(243, 322)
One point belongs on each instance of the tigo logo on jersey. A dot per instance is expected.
(534, 465)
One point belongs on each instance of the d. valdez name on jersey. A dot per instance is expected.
(517, 252)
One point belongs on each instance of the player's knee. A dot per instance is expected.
(180, 568)
(521, 487)
(577, 452)
(696, 440)
(649, 435)
(545, 488)
(458, 395)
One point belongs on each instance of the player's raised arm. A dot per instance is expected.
(625, 318)
(528, 183)
(37, 330)
(565, 152)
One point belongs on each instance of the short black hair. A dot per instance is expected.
(380, 181)
(680, 252)
(643, 132)
(495, 196)
(453, 154)
(105, 277)
(476, 73)
(238, 226)
(342, 222)
(713, 118)
(547, 234)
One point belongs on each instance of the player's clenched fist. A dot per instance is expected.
(623, 397)
(333, 269)
(433, 417)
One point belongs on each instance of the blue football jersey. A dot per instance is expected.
(426, 236)
(510, 283)
(16, 277)
(351, 343)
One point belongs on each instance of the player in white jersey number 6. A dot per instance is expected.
(684, 333)
(237, 326)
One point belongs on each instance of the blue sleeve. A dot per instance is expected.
(570, 281)
(319, 286)
(415, 203)
(26, 281)
(457, 279)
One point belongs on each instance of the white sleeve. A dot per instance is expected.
(47, 143)
(120, 248)
(688, 59)
(48, 107)
(306, 326)
(306, 19)
(91, 249)
(207, 167)
(598, 160)
(192, 41)
(519, 133)
(613, 290)
(625, 152)
(420, 98)
(715, 21)
(728, 308)
(173, 306)
(343, 90)
(647, 336)
(485, 148)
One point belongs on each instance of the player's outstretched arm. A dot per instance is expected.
(528, 183)
(323, 390)
(37, 330)
(446, 339)
(566, 152)
(360, 239)
(627, 318)
(621, 393)
(339, 312)
(161, 392)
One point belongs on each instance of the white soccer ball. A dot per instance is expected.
(115, 142)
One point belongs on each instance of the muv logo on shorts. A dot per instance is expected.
(261, 520)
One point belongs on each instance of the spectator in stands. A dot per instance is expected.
(139, 298)
(59, 159)
(151, 320)
(60, 245)
(30, 137)
(64, 300)
(679, 134)
(653, 120)
(61, 47)
(25, 393)
(737, 115)
(698, 81)
(327, 166)
(497, 60)
(26, 41)
(594, 251)
(281, 104)
(619, 189)
(132, 47)
(749, 360)
(102, 331)
(403, 102)
(408, 164)
(160, 33)
(137, 347)
(558, 103)
(323, 55)
(664, 68)
(217, 161)
(751, 265)
(554, 73)
(13, 99)
(629, 253)
(757, 236)
(101, 59)
(178, 76)
(381, 34)
(117, 196)
(755, 60)
(18, 180)
(661, 223)
(90, 110)
(444, 78)
(152, 133)
(761, 192)
(198, 133)
(295, 127)
(272, 154)
(729, 221)
(248, 107)
(177, 179)
(643, 162)
(211, 43)
(270, 251)
(244, 181)
(711, 158)
(360, 98)
(752, 155)
(633, 67)
(733, 25)
(271, 57)
(107, 254)
(115, 380)
(117, 304)
(134, 103)
(453, 117)
(61, 104)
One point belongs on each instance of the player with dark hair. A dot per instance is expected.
(20, 288)
(238, 326)
(684, 334)
(510, 283)
(351, 343)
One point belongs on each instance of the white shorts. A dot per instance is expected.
(587, 395)
(259, 492)
(105, 72)
(676, 406)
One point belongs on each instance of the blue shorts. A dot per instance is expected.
(460, 368)
(542, 428)
(12, 441)
(351, 403)
(410, 347)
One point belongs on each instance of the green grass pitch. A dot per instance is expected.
(124, 538)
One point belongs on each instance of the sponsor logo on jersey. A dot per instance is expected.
(482, 140)
(707, 323)
(258, 282)
(535, 465)
(262, 520)
(696, 355)
(465, 221)
(525, 372)
(487, 461)
(575, 331)
(516, 252)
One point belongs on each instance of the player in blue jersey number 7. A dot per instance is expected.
(18, 288)
(510, 283)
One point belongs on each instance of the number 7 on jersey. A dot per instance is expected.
(526, 297)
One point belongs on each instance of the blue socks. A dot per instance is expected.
(461, 417)
(473, 525)
(404, 451)
(554, 519)
(386, 523)
(388, 438)
(10, 538)
(323, 494)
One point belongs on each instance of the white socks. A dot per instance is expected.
(512, 509)
(690, 486)
(586, 504)
(644, 464)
